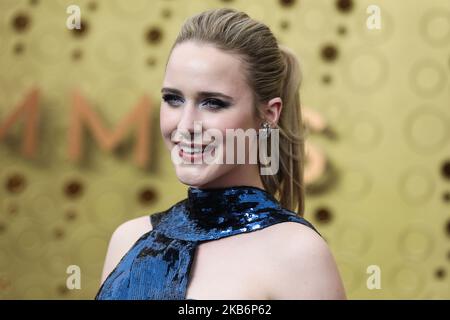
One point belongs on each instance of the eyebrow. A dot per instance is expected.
(200, 94)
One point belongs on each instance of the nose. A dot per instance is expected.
(189, 122)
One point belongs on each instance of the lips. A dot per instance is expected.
(192, 148)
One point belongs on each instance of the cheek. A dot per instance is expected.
(168, 121)
(239, 118)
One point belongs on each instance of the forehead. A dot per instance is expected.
(202, 67)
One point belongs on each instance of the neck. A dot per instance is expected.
(241, 175)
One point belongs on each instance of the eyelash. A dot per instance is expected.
(217, 103)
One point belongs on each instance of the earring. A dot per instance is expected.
(267, 128)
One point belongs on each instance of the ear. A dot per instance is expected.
(272, 111)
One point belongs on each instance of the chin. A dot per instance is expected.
(200, 176)
(192, 176)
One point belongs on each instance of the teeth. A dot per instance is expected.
(192, 150)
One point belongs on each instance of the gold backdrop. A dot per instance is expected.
(379, 110)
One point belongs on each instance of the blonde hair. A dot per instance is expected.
(272, 70)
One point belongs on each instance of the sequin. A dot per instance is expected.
(157, 266)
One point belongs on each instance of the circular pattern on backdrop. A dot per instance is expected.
(434, 27)
(355, 182)
(344, 6)
(329, 52)
(154, 35)
(73, 188)
(147, 195)
(114, 51)
(365, 132)
(47, 47)
(109, 209)
(416, 185)
(107, 205)
(15, 183)
(427, 77)
(353, 237)
(445, 169)
(41, 201)
(19, 48)
(29, 241)
(123, 93)
(88, 250)
(365, 70)
(440, 273)
(313, 20)
(426, 129)
(71, 214)
(327, 79)
(56, 261)
(341, 30)
(151, 61)
(334, 109)
(166, 13)
(77, 54)
(13, 179)
(287, 3)
(21, 22)
(446, 197)
(406, 282)
(92, 5)
(415, 243)
(323, 215)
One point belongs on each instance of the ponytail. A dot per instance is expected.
(288, 182)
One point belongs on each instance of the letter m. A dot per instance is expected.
(28, 110)
(83, 115)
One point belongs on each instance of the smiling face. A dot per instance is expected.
(205, 84)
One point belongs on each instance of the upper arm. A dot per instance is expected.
(122, 240)
(306, 269)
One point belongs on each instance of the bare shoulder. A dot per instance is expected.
(122, 240)
(302, 265)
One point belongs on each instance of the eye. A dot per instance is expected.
(172, 100)
(215, 104)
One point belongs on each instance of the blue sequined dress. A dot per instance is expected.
(157, 266)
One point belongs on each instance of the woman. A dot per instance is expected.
(230, 238)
